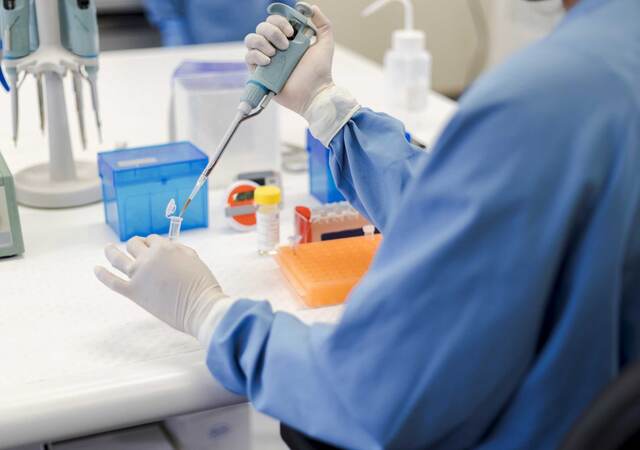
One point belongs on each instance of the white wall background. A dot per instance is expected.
(450, 33)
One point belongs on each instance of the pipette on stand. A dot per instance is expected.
(40, 89)
(77, 89)
(266, 81)
(92, 77)
(79, 25)
(14, 32)
(3, 81)
(12, 74)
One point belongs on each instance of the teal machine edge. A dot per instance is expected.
(11, 243)
(266, 81)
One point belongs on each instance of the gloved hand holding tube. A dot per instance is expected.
(170, 281)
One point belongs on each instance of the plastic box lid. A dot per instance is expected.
(206, 75)
(156, 162)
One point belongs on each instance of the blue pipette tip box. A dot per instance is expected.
(138, 183)
(321, 183)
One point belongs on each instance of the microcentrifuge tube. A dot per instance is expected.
(295, 242)
(175, 222)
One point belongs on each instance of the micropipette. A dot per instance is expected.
(92, 77)
(266, 81)
(77, 89)
(79, 33)
(15, 17)
(243, 114)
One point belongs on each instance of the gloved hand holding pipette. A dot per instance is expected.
(310, 91)
(170, 281)
(313, 74)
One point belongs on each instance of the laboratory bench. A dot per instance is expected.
(77, 359)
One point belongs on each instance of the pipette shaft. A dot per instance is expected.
(15, 103)
(92, 77)
(213, 162)
(40, 101)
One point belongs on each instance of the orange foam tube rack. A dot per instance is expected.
(323, 273)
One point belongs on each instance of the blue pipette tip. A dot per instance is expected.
(3, 80)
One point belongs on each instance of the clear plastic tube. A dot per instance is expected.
(175, 224)
(268, 227)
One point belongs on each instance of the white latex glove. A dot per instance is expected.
(170, 281)
(310, 90)
(313, 73)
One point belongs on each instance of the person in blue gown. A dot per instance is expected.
(506, 292)
(184, 22)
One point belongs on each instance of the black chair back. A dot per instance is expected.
(298, 441)
(612, 422)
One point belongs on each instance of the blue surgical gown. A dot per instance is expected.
(506, 292)
(184, 22)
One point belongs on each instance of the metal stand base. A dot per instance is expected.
(35, 188)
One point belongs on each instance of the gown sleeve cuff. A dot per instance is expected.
(215, 316)
(329, 112)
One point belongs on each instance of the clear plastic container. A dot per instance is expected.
(175, 225)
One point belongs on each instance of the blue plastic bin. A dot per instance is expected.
(321, 183)
(138, 183)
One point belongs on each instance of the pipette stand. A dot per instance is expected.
(62, 182)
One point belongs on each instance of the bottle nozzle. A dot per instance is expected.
(408, 11)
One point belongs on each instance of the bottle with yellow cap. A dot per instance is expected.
(267, 199)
